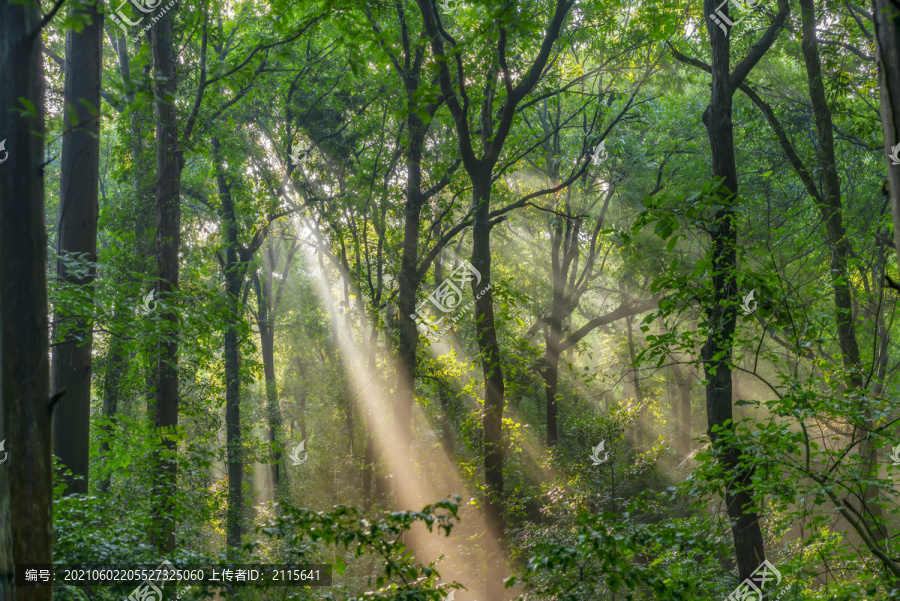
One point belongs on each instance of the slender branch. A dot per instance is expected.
(758, 49)
(47, 18)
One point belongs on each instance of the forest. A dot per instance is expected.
(450, 300)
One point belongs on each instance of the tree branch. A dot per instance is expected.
(761, 47)
(621, 312)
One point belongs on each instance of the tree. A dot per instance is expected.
(169, 162)
(886, 17)
(721, 313)
(267, 312)
(494, 131)
(26, 512)
(839, 244)
(77, 241)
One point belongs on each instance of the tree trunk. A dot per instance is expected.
(111, 386)
(684, 429)
(408, 342)
(887, 52)
(840, 251)
(144, 226)
(831, 195)
(233, 278)
(722, 313)
(168, 227)
(636, 384)
(26, 510)
(267, 344)
(77, 238)
(491, 366)
(554, 336)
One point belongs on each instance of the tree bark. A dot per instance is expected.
(144, 225)
(233, 278)
(77, 238)
(830, 206)
(409, 280)
(111, 389)
(886, 15)
(636, 385)
(169, 163)
(840, 249)
(267, 344)
(552, 351)
(26, 510)
(721, 313)
(492, 369)
(684, 428)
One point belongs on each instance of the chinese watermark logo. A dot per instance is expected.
(894, 454)
(295, 453)
(2, 448)
(296, 159)
(595, 455)
(745, 305)
(895, 160)
(598, 154)
(447, 298)
(148, 589)
(752, 587)
(145, 6)
(742, 6)
(145, 308)
(5, 152)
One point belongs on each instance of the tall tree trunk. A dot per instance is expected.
(169, 162)
(550, 372)
(886, 16)
(489, 350)
(26, 509)
(636, 385)
(839, 246)
(267, 343)
(233, 278)
(408, 342)
(684, 426)
(77, 238)
(111, 389)
(144, 225)
(830, 208)
(721, 313)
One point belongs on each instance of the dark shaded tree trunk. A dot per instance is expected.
(169, 163)
(111, 389)
(267, 344)
(233, 441)
(26, 510)
(489, 350)
(492, 369)
(886, 16)
(409, 279)
(830, 206)
(721, 313)
(839, 245)
(77, 238)
(496, 124)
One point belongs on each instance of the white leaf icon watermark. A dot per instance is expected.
(297, 450)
